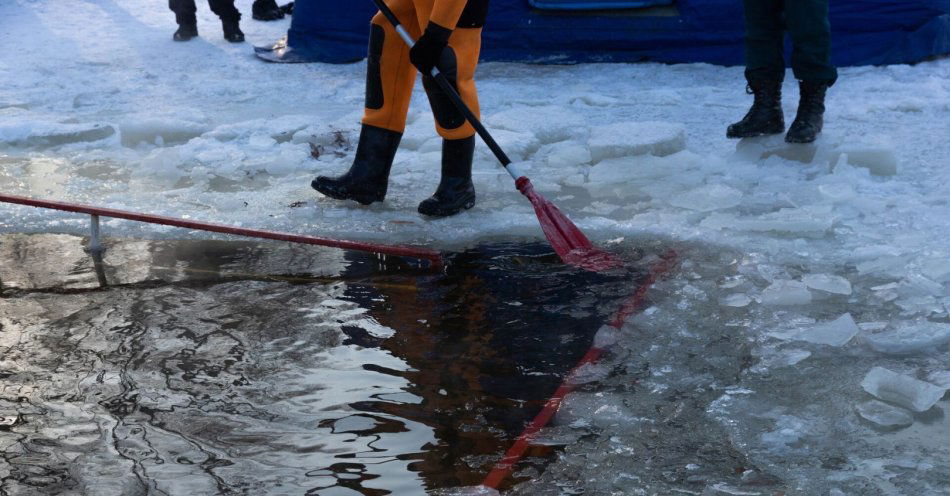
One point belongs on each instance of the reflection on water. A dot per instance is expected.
(209, 367)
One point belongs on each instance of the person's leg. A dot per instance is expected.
(185, 17)
(230, 19)
(764, 40)
(808, 26)
(459, 62)
(389, 81)
(810, 31)
(765, 69)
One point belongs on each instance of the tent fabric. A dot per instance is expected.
(864, 32)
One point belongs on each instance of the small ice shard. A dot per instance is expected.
(902, 390)
(828, 283)
(606, 336)
(707, 198)
(884, 415)
(785, 292)
(721, 489)
(910, 338)
(736, 300)
(559, 435)
(834, 333)
(468, 491)
(789, 430)
(784, 358)
(587, 373)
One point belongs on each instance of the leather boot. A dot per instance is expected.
(232, 31)
(456, 191)
(811, 110)
(266, 10)
(185, 32)
(765, 116)
(368, 178)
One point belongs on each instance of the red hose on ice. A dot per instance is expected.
(401, 251)
(504, 467)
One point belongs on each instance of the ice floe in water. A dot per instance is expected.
(828, 283)
(908, 338)
(784, 292)
(902, 390)
(834, 333)
(883, 414)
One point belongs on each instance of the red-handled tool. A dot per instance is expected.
(566, 238)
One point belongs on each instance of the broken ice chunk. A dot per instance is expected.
(471, 491)
(560, 435)
(587, 373)
(834, 333)
(736, 300)
(785, 292)
(909, 338)
(606, 336)
(884, 415)
(623, 139)
(707, 198)
(902, 390)
(828, 283)
(880, 161)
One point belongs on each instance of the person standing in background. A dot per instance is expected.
(807, 24)
(188, 24)
(449, 34)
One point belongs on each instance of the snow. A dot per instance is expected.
(99, 106)
(902, 390)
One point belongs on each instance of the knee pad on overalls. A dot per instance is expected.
(446, 114)
(374, 76)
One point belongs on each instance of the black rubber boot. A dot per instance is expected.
(185, 32)
(287, 8)
(765, 116)
(456, 191)
(811, 111)
(266, 10)
(368, 177)
(232, 31)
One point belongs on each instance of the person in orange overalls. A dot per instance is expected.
(448, 34)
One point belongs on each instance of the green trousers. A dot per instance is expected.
(807, 24)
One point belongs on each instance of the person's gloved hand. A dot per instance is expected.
(427, 51)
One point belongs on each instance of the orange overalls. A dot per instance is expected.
(391, 76)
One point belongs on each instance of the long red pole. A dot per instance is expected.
(400, 251)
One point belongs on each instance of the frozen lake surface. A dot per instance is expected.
(801, 346)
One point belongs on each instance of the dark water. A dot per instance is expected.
(211, 367)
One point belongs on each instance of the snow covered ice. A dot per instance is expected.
(746, 358)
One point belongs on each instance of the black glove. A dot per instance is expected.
(427, 51)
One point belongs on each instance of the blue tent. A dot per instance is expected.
(571, 31)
